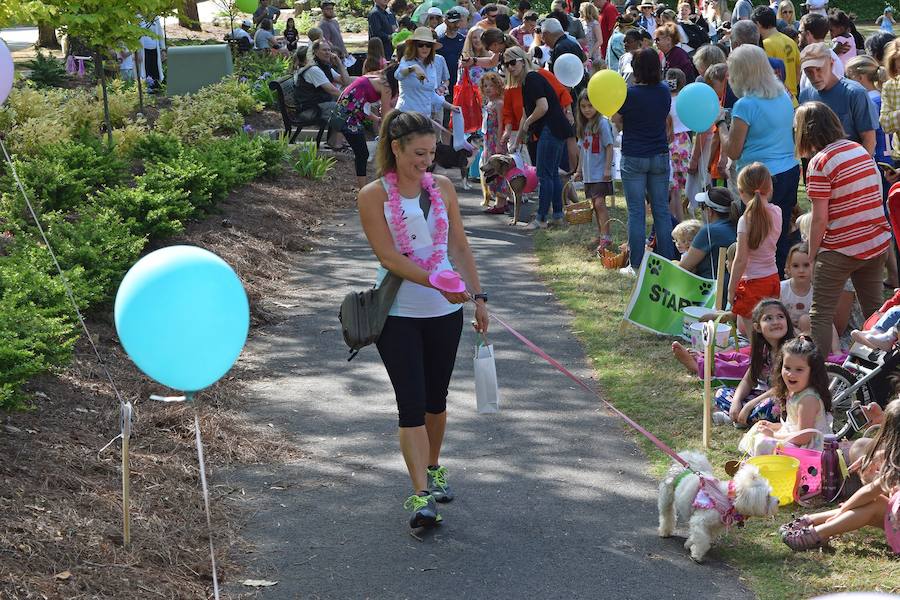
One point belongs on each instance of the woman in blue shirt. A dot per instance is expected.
(645, 167)
(418, 76)
(762, 122)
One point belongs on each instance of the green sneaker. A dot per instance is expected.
(438, 486)
(424, 511)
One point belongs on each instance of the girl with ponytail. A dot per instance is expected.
(754, 275)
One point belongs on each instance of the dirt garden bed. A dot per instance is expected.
(60, 503)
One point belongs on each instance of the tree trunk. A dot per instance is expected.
(47, 36)
(102, 73)
(188, 15)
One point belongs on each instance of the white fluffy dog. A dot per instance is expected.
(718, 505)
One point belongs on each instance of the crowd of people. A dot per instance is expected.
(802, 99)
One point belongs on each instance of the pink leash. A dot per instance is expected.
(537, 350)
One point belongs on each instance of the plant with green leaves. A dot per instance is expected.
(103, 25)
(310, 163)
(46, 70)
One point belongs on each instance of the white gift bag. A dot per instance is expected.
(487, 393)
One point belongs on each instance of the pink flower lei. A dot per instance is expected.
(399, 223)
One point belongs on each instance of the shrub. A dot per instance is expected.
(61, 176)
(46, 70)
(310, 164)
(37, 323)
(127, 138)
(146, 212)
(216, 109)
(273, 153)
(157, 146)
(97, 240)
(234, 161)
(183, 174)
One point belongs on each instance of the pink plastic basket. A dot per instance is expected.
(809, 477)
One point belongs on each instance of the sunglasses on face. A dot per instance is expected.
(424, 44)
(510, 63)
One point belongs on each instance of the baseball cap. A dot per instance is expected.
(327, 2)
(453, 15)
(434, 11)
(815, 55)
(718, 199)
(247, 23)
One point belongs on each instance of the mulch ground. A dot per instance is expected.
(60, 496)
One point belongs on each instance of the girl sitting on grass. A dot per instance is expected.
(876, 504)
(801, 384)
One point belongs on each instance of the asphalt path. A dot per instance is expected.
(553, 499)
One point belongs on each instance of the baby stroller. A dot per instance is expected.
(867, 374)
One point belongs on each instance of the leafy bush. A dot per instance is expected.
(183, 174)
(126, 139)
(46, 70)
(257, 70)
(310, 164)
(273, 153)
(216, 109)
(146, 212)
(157, 146)
(97, 240)
(234, 161)
(62, 175)
(37, 324)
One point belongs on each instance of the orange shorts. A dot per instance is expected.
(750, 291)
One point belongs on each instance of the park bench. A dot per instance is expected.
(295, 120)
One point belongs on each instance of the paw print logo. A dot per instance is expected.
(705, 288)
(654, 265)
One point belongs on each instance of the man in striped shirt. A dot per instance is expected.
(849, 234)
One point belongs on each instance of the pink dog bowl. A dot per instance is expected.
(447, 281)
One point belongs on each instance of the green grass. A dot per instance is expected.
(637, 373)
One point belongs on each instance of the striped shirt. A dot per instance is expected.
(845, 176)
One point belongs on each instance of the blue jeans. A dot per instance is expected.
(549, 154)
(784, 196)
(644, 177)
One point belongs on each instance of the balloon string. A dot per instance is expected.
(212, 553)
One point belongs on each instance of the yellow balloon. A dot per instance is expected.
(606, 91)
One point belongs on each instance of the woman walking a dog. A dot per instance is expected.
(420, 337)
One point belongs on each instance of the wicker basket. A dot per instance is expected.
(611, 259)
(577, 213)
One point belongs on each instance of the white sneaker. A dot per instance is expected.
(720, 417)
(628, 271)
(535, 224)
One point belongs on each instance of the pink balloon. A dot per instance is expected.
(6, 72)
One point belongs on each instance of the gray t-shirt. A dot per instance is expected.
(264, 39)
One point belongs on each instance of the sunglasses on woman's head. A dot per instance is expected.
(424, 44)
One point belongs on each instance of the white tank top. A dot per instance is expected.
(414, 300)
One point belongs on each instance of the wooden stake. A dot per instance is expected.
(720, 280)
(710, 328)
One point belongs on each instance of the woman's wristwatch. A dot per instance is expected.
(481, 296)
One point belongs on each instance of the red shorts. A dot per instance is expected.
(750, 291)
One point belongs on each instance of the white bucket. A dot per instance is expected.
(722, 337)
(692, 315)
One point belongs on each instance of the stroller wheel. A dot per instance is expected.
(840, 380)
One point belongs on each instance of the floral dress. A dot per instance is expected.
(492, 145)
(350, 107)
(680, 152)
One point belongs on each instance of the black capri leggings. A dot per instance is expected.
(357, 143)
(419, 355)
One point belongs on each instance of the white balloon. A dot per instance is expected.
(569, 70)
(6, 72)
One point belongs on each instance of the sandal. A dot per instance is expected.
(801, 540)
(495, 210)
(340, 149)
(797, 524)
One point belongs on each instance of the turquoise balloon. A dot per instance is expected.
(697, 105)
(247, 6)
(182, 316)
